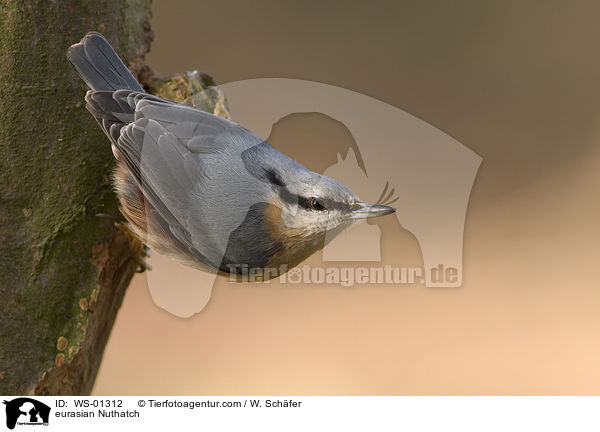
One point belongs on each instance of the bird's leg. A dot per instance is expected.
(138, 249)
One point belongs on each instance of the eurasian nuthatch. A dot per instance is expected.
(202, 189)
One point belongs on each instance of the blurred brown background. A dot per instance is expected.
(518, 83)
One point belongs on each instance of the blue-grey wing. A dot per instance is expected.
(185, 162)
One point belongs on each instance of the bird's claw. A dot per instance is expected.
(138, 249)
(143, 265)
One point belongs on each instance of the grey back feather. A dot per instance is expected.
(99, 65)
(207, 180)
(193, 169)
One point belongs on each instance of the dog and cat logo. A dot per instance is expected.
(26, 411)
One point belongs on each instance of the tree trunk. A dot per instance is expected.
(64, 270)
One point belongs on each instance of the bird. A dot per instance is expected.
(203, 190)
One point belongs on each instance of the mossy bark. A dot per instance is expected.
(63, 269)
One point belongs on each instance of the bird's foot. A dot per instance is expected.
(143, 253)
(139, 250)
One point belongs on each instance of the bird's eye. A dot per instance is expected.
(316, 204)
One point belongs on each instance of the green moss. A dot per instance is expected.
(194, 88)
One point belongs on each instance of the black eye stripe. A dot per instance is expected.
(274, 177)
(305, 202)
(287, 196)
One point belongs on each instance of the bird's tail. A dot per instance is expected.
(99, 66)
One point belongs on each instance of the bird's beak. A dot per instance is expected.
(362, 210)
